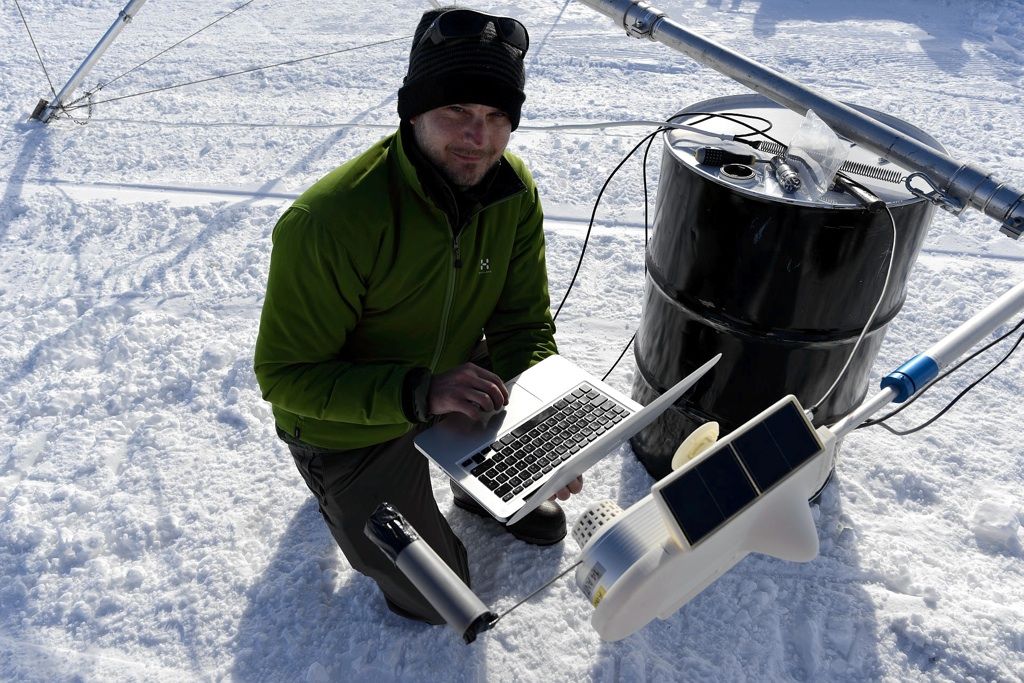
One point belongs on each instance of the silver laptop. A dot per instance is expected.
(559, 422)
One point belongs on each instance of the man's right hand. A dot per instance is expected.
(468, 389)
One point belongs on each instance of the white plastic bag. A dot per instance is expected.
(820, 150)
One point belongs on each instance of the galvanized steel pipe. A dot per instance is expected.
(123, 18)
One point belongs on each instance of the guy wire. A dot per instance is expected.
(39, 56)
(162, 52)
(243, 71)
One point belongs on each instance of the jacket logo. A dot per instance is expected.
(485, 265)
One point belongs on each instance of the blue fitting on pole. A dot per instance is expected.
(911, 376)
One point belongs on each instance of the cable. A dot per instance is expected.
(649, 139)
(645, 122)
(600, 125)
(593, 215)
(244, 71)
(871, 318)
(957, 398)
(39, 56)
(567, 570)
(643, 175)
(947, 373)
(763, 132)
(662, 125)
(158, 54)
(646, 223)
(628, 344)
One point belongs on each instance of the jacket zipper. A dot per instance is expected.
(449, 296)
(456, 263)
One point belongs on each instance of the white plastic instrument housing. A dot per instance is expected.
(639, 564)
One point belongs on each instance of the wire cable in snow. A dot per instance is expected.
(158, 54)
(593, 215)
(39, 56)
(243, 71)
(628, 344)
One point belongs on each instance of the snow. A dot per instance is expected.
(152, 526)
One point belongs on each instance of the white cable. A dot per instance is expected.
(871, 318)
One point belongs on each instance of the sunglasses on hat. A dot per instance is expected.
(465, 23)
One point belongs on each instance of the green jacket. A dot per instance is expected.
(369, 282)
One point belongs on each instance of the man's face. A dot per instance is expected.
(463, 140)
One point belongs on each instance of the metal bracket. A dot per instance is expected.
(38, 111)
(640, 20)
(1013, 224)
(934, 194)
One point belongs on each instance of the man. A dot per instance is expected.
(384, 277)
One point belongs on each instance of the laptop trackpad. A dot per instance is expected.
(522, 403)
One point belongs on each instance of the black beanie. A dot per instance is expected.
(480, 70)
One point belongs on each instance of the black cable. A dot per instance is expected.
(593, 215)
(649, 139)
(643, 170)
(243, 71)
(957, 398)
(158, 54)
(628, 344)
(39, 56)
(947, 373)
(560, 575)
(643, 175)
(763, 132)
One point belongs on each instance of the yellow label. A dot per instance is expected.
(598, 595)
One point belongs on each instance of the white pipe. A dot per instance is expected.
(911, 377)
(866, 409)
(955, 344)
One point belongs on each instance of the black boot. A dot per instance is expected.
(544, 526)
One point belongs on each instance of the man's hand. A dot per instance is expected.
(467, 389)
(574, 486)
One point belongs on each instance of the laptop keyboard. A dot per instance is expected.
(513, 463)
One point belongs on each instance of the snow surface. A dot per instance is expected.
(152, 526)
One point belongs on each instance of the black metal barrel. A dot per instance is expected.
(781, 284)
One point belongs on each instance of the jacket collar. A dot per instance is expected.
(499, 184)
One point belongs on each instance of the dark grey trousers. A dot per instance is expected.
(349, 485)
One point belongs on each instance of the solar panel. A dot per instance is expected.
(789, 429)
(692, 506)
(734, 473)
(761, 455)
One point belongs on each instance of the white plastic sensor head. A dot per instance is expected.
(698, 441)
(742, 495)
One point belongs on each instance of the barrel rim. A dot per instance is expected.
(755, 99)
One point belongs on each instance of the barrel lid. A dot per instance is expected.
(884, 178)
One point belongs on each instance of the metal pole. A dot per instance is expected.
(122, 20)
(953, 185)
(912, 376)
